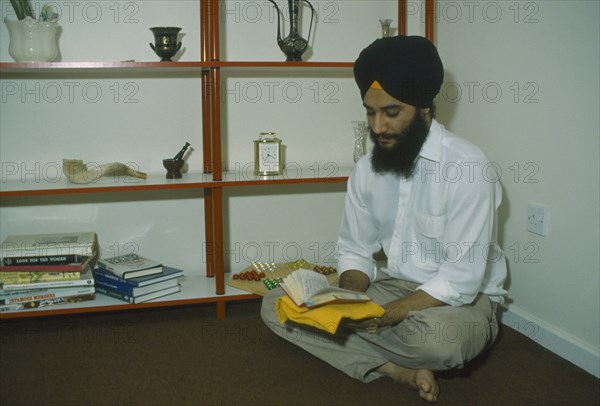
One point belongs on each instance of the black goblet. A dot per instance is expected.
(165, 42)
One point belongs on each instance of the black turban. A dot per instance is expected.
(408, 68)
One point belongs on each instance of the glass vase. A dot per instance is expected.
(361, 129)
(385, 27)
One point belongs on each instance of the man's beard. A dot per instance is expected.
(401, 158)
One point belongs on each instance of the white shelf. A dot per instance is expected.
(158, 181)
(196, 288)
(62, 185)
(51, 68)
(154, 67)
(292, 174)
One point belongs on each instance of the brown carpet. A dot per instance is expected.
(185, 356)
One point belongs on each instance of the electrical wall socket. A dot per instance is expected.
(537, 219)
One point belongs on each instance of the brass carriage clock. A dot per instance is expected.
(267, 155)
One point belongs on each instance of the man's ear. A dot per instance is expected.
(427, 114)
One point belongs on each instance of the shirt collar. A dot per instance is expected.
(432, 148)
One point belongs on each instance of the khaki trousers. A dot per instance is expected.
(438, 338)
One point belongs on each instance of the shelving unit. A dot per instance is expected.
(210, 288)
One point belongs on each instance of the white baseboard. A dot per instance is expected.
(552, 338)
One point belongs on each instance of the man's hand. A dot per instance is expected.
(353, 279)
(396, 311)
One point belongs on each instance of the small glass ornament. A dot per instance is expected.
(361, 129)
(385, 27)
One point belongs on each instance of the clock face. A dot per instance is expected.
(268, 158)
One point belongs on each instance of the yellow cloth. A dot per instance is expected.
(327, 317)
(376, 85)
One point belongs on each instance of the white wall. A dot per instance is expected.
(542, 131)
(522, 81)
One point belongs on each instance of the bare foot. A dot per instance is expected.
(421, 380)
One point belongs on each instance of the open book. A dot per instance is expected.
(311, 289)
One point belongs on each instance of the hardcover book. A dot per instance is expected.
(133, 291)
(140, 299)
(30, 277)
(166, 274)
(130, 266)
(311, 289)
(61, 263)
(21, 296)
(44, 245)
(46, 302)
(85, 279)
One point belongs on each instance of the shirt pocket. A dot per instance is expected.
(427, 234)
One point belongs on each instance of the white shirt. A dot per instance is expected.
(437, 228)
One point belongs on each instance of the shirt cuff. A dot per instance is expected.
(441, 290)
(365, 266)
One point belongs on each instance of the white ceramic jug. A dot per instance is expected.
(31, 40)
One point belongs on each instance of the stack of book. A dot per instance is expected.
(39, 270)
(135, 279)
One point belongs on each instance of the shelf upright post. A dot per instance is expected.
(217, 192)
(215, 89)
(205, 43)
(429, 19)
(401, 17)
